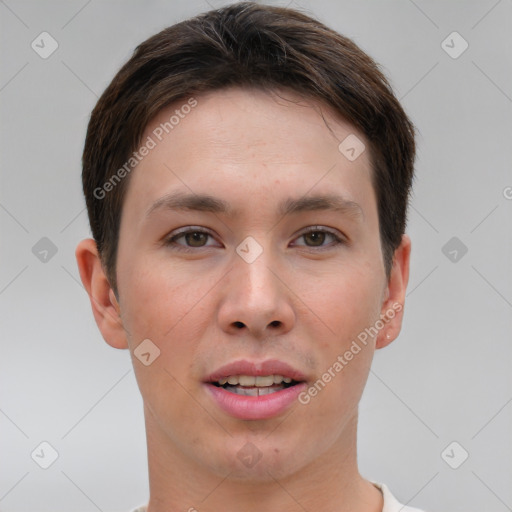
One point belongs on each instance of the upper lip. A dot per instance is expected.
(256, 368)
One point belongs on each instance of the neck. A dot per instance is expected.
(330, 483)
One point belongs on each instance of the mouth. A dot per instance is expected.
(255, 390)
(251, 385)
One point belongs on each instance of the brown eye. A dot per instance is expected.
(196, 238)
(191, 238)
(320, 238)
(317, 238)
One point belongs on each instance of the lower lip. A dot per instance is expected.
(255, 407)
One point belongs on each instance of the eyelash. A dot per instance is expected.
(171, 241)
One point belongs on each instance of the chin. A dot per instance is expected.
(259, 459)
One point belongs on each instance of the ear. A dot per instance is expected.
(394, 299)
(105, 307)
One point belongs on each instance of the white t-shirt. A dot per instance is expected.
(391, 504)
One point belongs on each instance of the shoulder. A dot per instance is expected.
(391, 504)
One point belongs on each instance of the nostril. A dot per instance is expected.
(275, 323)
(239, 324)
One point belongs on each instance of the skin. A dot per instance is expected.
(303, 300)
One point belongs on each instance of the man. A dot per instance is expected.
(247, 174)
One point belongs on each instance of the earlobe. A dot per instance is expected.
(105, 307)
(393, 304)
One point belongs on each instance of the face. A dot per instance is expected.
(276, 272)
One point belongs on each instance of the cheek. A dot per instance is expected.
(157, 299)
(166, 308)
(346, 302)
(347, 305)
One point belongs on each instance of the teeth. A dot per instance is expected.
(254, 391)
(233, 380)
(251, 381)
(246, 380)
(263, 381)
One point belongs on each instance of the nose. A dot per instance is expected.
(256, 298)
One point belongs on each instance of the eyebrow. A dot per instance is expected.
(208, 203)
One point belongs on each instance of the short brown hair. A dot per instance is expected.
(247, 44)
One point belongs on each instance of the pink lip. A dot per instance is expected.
(255, 407)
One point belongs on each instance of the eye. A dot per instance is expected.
(193, 237)
(318, 235)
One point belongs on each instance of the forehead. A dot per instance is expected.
(278, 111)
(239, 137)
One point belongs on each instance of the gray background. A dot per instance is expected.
(447, 377)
